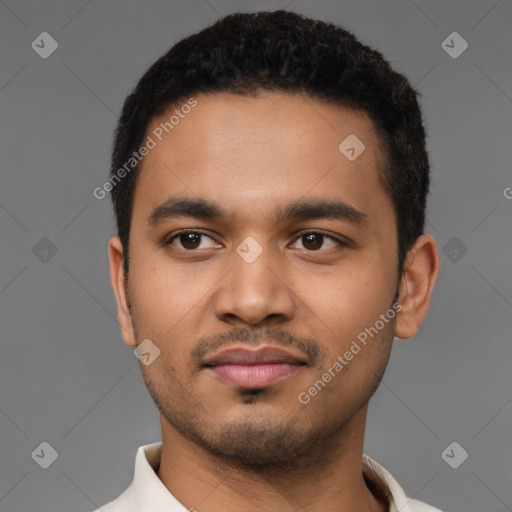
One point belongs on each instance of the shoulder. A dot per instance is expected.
(125, 502)
(418, 506)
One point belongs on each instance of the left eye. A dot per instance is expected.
(313, 240)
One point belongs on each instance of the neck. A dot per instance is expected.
(331, 479)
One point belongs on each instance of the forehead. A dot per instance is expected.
(248, 152)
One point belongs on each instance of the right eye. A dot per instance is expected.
(190, 240)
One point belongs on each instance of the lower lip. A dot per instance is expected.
(254, 376)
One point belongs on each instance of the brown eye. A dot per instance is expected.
(189, 240)
(315, 240)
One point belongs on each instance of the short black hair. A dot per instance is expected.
(245, 53)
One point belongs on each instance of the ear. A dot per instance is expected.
(421, 269)
(118, 280)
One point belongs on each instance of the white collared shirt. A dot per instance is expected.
(147, 493)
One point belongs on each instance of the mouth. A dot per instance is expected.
(253, 368)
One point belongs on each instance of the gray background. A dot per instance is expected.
(67, 378)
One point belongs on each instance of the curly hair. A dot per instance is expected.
(244, 53)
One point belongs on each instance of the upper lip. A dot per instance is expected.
(253, 356)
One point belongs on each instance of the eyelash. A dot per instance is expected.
(168, 241)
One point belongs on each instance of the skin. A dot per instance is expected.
(225, 450)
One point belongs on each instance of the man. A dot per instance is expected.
(269, 180)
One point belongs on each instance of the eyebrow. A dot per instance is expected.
(298, 210)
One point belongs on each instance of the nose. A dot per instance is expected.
(255, 291)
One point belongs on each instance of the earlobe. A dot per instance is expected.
(118, 281)
(420, 273)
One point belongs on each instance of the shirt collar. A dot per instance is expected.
(398, 501)
(151, 494)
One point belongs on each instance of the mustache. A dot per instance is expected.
(211, 344)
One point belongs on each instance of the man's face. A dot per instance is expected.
(306, 284)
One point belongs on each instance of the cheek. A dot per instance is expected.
(354, 368)
(350, 298)
(167, 306)
(165, 294)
